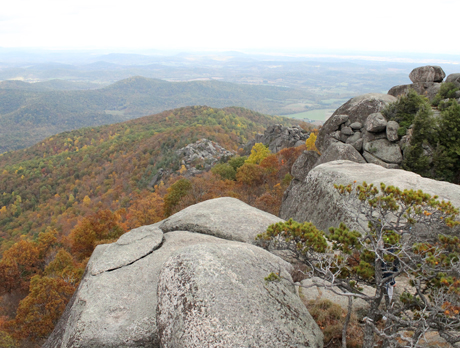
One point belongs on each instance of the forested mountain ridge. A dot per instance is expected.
(30, 113)
(78, 162)
(72, 191)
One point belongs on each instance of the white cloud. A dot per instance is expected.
(392, 25)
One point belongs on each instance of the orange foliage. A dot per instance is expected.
(18, 265)
(103, 225)
(146, 209)
(39, 312)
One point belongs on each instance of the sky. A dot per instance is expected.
(416, 26)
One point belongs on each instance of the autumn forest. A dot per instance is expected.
(75, 190)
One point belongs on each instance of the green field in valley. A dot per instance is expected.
(319, 115)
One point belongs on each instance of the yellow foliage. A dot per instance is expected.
(258, 153)
(86, 200)
(310, 143)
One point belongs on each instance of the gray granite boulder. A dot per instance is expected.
(454, 78)
(357, 109)
(398, 91)
(216, 296)
(372, 159)
(392, 131)
(429, 73)
(340, 151)
(427, 89)
(376, 122)
(218, 217)
(303, 164)
(328, 210)
(384, 150)
(117, 302)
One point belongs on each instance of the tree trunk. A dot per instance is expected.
(347, 321)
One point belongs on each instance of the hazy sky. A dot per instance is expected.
(391, 25)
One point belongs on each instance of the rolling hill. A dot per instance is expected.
(32, 112)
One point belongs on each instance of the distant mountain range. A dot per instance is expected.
(32, 112)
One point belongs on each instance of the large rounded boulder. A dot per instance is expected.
(316, 199)
(188, 281)
(429, 73)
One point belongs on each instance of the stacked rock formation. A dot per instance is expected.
(360, 124)
(426, 81)
(278, 137)
(193, 280)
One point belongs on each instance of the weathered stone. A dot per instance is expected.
(343, 137)
(427, 89)
(347, 131)
(392, 130)
(336, 135)
(398, 91)
(376, 122)
(358, 145)
(356, 126)
(368, 136)
(216, 296)
(357, 110)
(427, 73)
(454, 78)
(278, 137)
(204, 152)
(329, 209)
(372, 159)
(354, 138)
(129, 248)
(340, 151)
(118, 308)
(218, 217)
(384, 150)
(303, 164)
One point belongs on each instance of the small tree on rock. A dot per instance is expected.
(389, 245)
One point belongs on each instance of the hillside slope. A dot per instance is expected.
(108, 163)
(32, 112)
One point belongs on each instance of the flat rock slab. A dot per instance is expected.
(129, 248)
(118, 308)
(216, 296)
(328, 210)
(225, 217)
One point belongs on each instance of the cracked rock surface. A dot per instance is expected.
(225, 303)
(224, 217)
(119, 302)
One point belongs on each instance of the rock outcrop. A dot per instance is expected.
(328, 210)
(278, 137)
(426, 81)
(160, 286)
(202, 155)
(355, 111)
